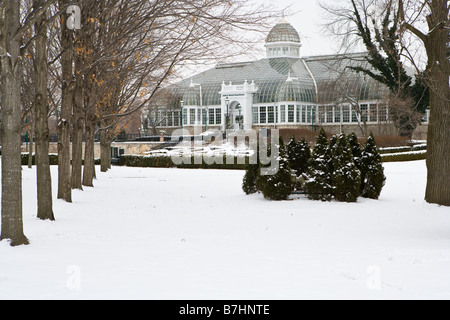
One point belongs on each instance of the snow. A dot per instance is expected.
(193, 234)
(189, 149)
(404, 153)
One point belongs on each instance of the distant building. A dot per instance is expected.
(284, 90)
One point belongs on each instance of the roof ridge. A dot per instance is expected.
(233, 64)
(361, 54)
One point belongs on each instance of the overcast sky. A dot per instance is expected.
(307, 21)
(306, 17)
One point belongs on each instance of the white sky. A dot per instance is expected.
(306, 18)
(307, 21)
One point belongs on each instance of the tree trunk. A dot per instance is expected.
(89, 153)
(105, 151)
(438, 154)
(30, 149)
(44, 179)
(11, 71)
(64, 125)
(78, 126)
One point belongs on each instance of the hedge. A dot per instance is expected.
(401, 157)
(166, 162)
(402, 149)
(53, 159)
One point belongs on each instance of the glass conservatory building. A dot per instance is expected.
(284, 90)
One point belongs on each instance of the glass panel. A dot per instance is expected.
(169, 119)
(298, 114)
(282, 114)
(304, 111)
(192, 116)
(276, 114)
(203, 116)
(164, 122)
(185, 112)
(211, 117)
(354, 115)
(382, 113)
(255, 115)
(308, 114)
(337, 114)
(322, 110)
(262, 115)
(291, 114)
(176, 119)
(271, 114)
(218, 116)
(373, 113)
(330, 114)
(346, 114)
(364, 114)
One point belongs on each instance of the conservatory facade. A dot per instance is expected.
(284, 90)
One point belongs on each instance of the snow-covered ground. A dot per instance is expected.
(193, 234)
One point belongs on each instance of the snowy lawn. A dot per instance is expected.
(193, 234)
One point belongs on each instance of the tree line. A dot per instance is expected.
(92, 64)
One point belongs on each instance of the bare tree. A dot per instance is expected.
(375, 25)
(12, 51)
(44, 179)
(435, 41)
(343, 91)
(65, 121)
(138, 50)
(401, 114)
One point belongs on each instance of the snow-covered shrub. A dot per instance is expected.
(318, 178)
(356, 149)
(280, 185)
(346, 176)
(372, 171)
(252, 172)
(298, 153)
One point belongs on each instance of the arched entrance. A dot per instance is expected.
(236, 119)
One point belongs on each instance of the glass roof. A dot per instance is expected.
(268, 74)
(191, 96)
(336, 81)
(331, 74)
(291, 91)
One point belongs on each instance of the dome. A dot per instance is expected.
(290, 91)
(191, 97)
(283, 32)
